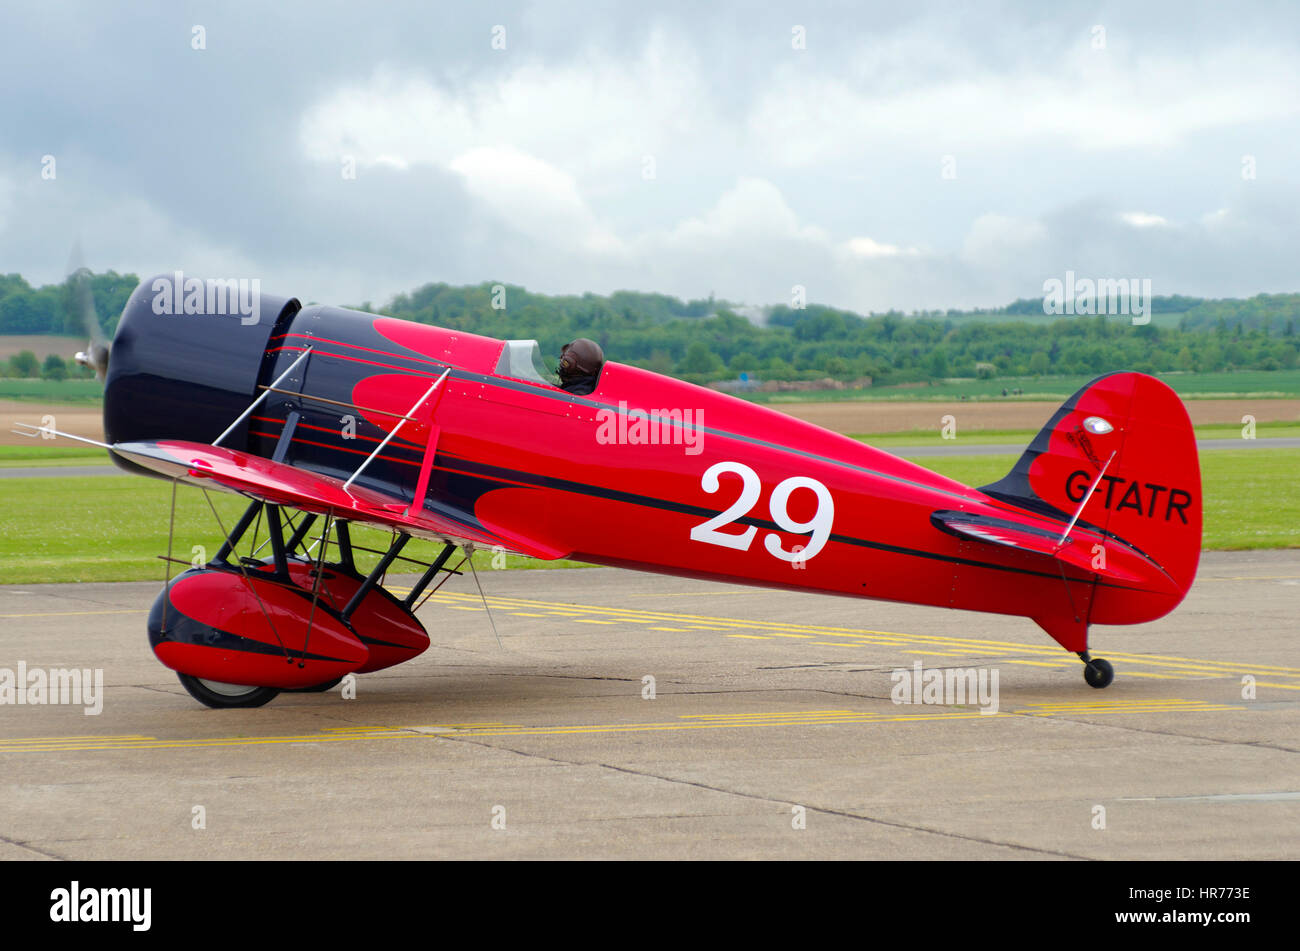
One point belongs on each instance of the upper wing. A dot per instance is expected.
(281, 484)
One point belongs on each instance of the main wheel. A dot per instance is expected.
(1098, 673)
(213, 693)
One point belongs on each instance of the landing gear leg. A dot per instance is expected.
(1097, 672)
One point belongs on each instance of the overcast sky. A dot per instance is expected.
(908, 156)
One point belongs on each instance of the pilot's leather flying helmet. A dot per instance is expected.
(580, 358)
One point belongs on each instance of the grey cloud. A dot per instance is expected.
(174, 157)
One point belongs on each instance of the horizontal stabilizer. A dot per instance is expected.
(1084, 549)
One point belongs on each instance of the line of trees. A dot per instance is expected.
(50, 309)
(706, 339)
(26, 365)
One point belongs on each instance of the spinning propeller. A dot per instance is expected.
(95, 355)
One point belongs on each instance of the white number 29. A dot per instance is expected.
(751, 487)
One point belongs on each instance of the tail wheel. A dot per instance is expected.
(213, 693)
(1098, 673)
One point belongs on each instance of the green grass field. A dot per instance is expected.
(1252, 496)
(984, 437)
(39, 452)
(42, 454)
(1237, 384)
(77, 392)
(112, 528)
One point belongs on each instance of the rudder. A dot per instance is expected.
(1133, 431)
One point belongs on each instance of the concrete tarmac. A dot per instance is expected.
(771, 732)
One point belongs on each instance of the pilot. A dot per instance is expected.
(580, 363)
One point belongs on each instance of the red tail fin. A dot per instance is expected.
(1137, 430)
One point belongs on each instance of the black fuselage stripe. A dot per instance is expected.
(502, 474)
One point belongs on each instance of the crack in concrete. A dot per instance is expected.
(1135, 729)
(32, 848)
(821, 810)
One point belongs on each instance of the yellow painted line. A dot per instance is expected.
(1110, 701)
(750, 637)
(830, 644)
(1138, 710)
(423, 726)
(1106, 708)
(1194, 668)
(777, 713)
(359, 729)
(690, 594)
(457, 607)
(202, 744)
(934, 653)
(1230, 665)
(823, 631)
(1103, 706)
(583, 620)
(1260, 683)
(81, 736)
(1036, 663)
(970, 646)
(674, 630)
(784, 714)
(688, 722)
(73, 613)
(523, 614)
(1116, 704)
(463, 728)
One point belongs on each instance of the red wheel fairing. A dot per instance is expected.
(390, 632)
(216, 624)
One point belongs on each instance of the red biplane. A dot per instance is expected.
(324, 417)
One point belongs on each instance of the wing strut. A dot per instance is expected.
(1082, 505)
(373, 578)
(393, 432)
(261, 396)
(470, 552)
(429, 575)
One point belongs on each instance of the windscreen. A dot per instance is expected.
(522, 360)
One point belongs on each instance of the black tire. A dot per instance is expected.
(1098, 673)
(319, 688)
(223, 696)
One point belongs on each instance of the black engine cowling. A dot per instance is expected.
(187, 359)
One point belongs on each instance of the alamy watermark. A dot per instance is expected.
(58, 685)
(76, 904)
(1104, 296)
(178, 294)
(949, 686)
(658, 427)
